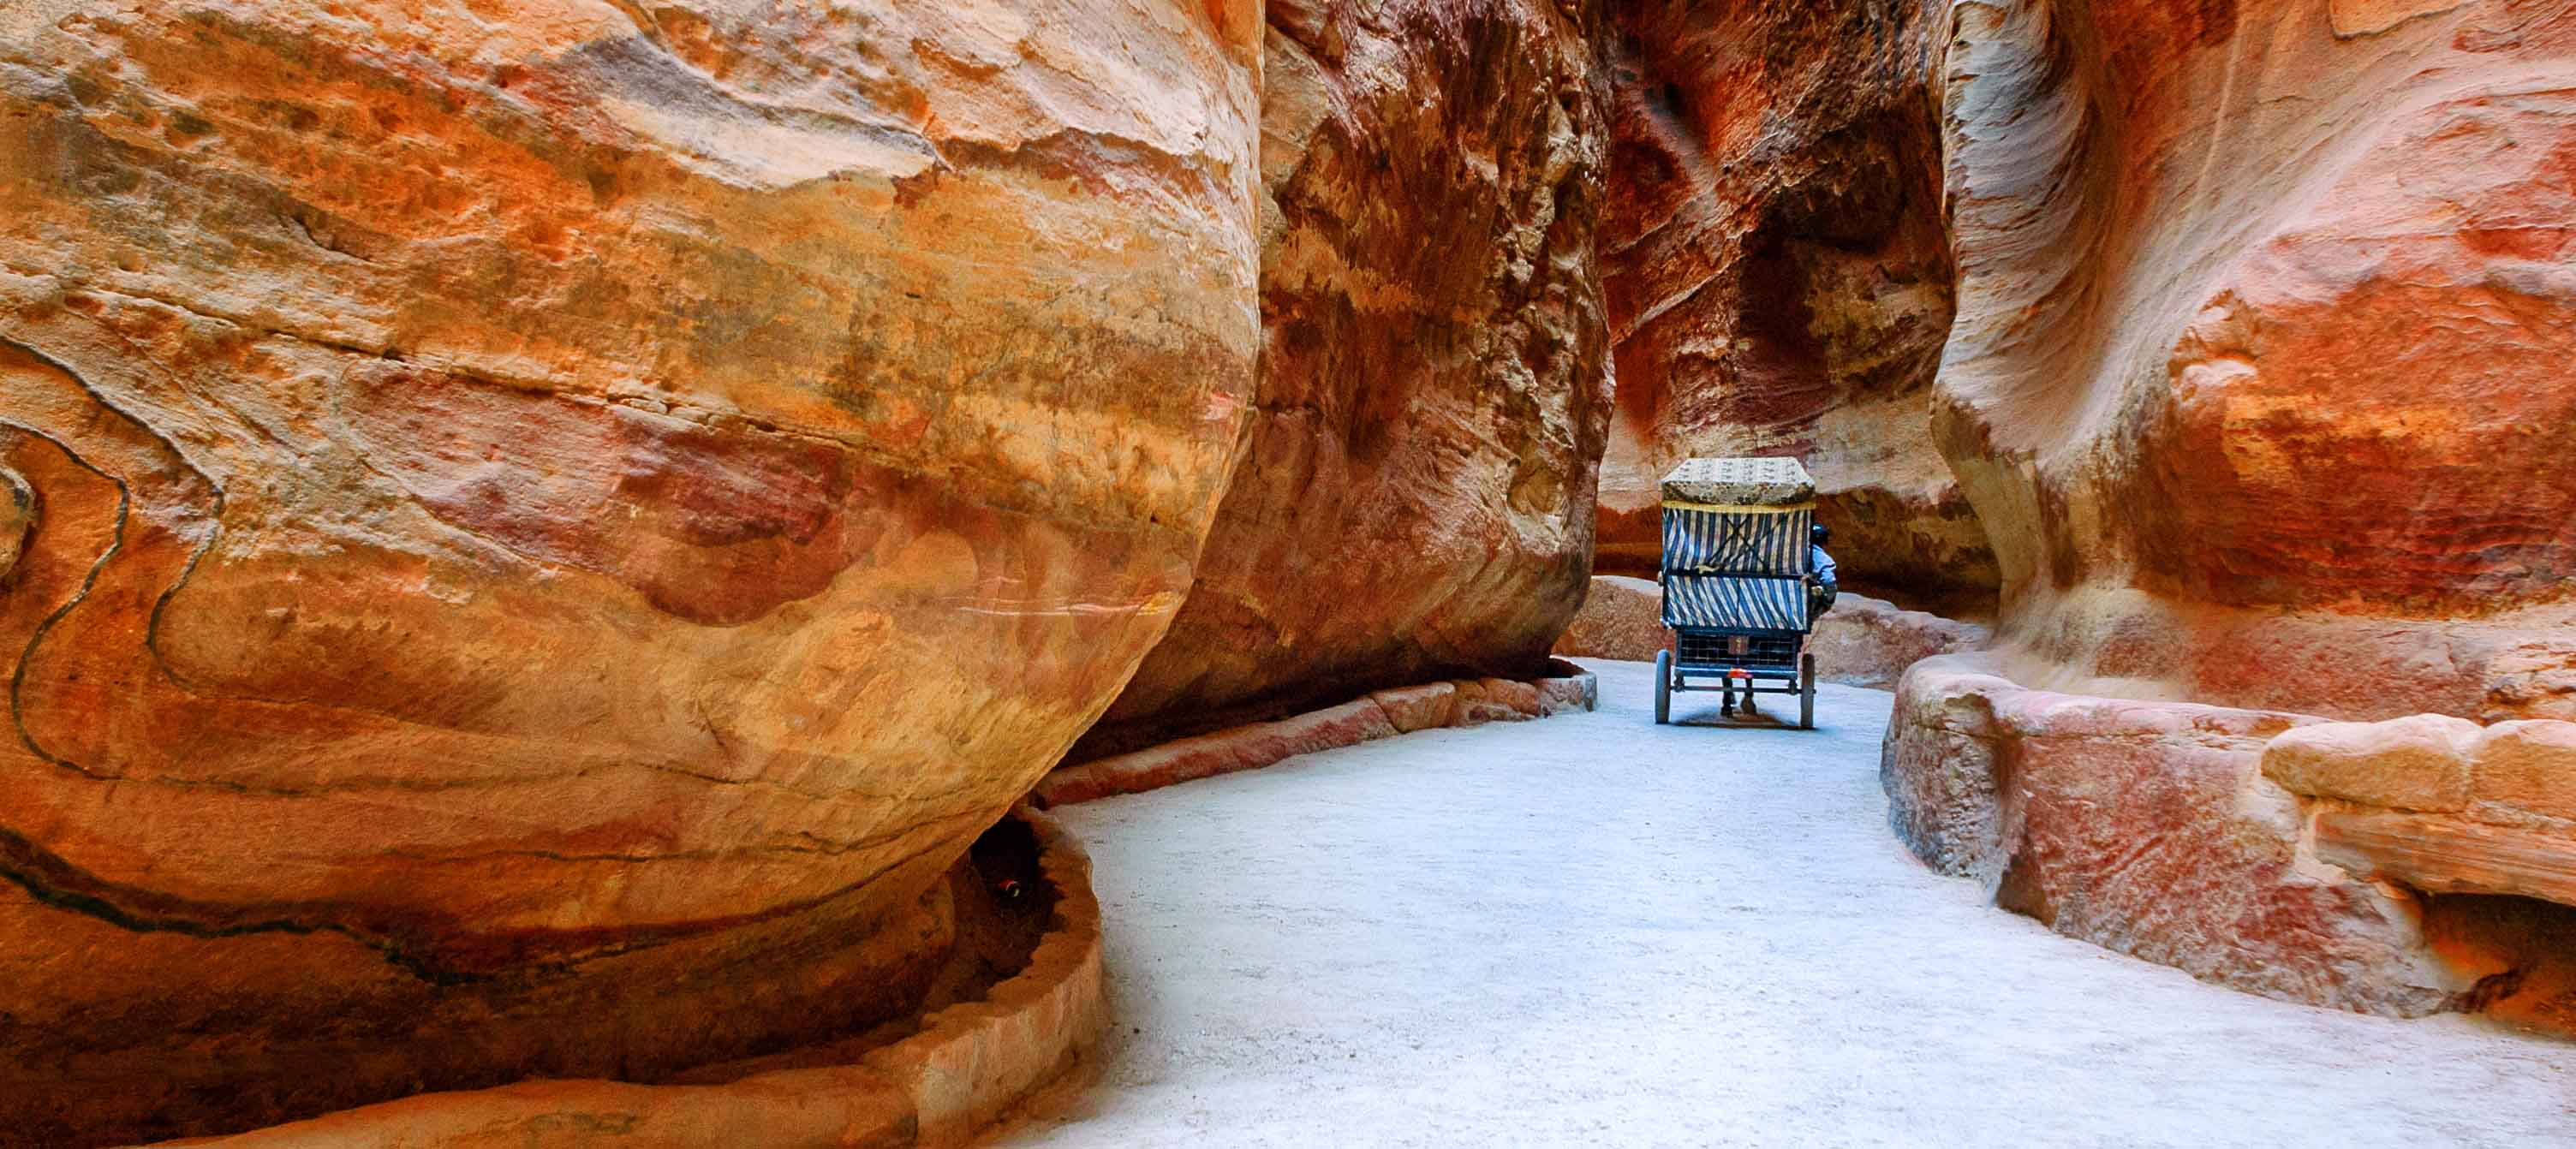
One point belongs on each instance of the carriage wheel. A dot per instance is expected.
(1663, 687)
(1806, 692)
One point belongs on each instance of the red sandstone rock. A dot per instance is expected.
(1221, 752)
(2494, 872)
(17, 518)
(1777, 273)
(2528, 767)
(2258, 382)
(1379, 714)
(1568, 689)
(2441, 804)
(2149, 828)
(1622, 618)
(2259, 374)
(1865, 641)
(1411, 708)
(1416, 496)
(940, 1087)
(1497, 700)
(2146, 828)
(2440, 855)
(808, 1109)
(2418, 763)
(555, 524)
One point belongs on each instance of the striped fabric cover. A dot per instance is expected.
(1734, 602)
(1740, 542)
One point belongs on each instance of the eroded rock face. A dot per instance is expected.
(2478, 824)
(2258, 382)
(2259, 375)
(1415, 499)
(2441, 804)
(1622, 618)
(2147, 828)
(1778, 276)
(533, 507)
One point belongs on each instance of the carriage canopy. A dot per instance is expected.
(1735, 543)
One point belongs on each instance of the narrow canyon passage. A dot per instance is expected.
(1591, 930)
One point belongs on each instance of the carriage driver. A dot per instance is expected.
(1821, 584)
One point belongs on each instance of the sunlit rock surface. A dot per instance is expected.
(552, 525)
(2259, 379)
(2443, 805)
(2259, 383)
(2146, 828)
(1415, 499)
(1778, 276)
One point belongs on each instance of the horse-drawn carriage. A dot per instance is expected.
(1736, 574)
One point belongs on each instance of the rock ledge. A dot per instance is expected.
(969, 1066)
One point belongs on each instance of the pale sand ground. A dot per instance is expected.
(1593, 931)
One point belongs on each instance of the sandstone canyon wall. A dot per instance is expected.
(1778, 276)
(1415, 498)
(2259, 381)
(532, 534)
(2260, 375)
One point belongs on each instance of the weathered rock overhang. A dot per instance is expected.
(965, 1067)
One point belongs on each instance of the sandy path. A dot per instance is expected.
(1593, 931)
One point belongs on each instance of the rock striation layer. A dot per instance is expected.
(2258, 379)
(2440, 804)
(1778, 275)
(2258, 383)
(1377, 714)
(2149, 829)
(2402, 867)
(535, 533)
(1416, 494)
(964, 1066)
